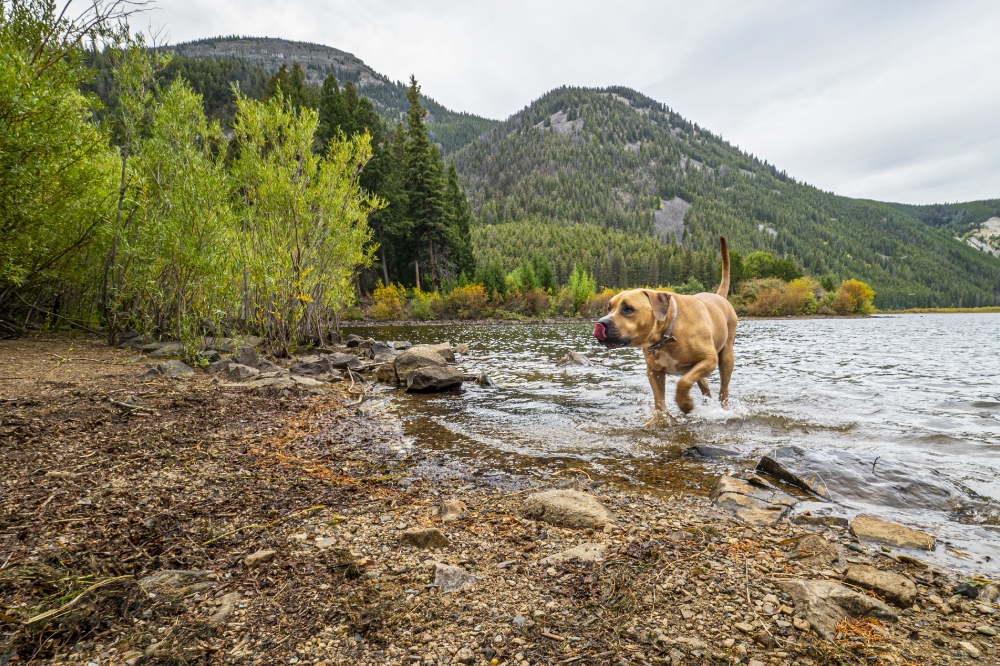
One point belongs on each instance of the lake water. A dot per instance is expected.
(900, 415)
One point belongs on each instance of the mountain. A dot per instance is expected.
(240, 56)
(975, 222)
(613, 178)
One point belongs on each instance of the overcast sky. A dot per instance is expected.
(898, 101)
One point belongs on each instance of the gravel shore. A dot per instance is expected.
(215, 524)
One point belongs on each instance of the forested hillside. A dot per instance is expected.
(210, 65)
(607, 160)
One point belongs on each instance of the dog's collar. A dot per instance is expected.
(667, 334)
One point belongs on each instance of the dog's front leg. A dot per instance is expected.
(657, 381)
(698, 372)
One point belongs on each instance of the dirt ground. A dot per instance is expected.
(182, 521)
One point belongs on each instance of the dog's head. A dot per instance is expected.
(635, 318)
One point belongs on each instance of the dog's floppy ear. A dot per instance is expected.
(660, 302)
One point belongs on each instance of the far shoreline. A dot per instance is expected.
(371, 323)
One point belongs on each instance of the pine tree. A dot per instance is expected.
(332, 111)
(293, 87)
(459, 217)
(423, 182)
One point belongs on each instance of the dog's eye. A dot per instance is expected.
(627, 310)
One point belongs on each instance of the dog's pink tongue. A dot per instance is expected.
(599, 331)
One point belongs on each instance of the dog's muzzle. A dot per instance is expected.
(606, 334)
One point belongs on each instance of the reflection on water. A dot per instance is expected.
(900, 414)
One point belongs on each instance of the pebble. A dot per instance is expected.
(970, 649)
(258, 558)
(744, 627)
(986, 630)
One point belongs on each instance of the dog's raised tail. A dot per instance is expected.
(723, 289)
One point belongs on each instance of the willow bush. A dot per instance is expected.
(302, 219)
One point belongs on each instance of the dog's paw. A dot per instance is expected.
(659, 420)
(686, 405)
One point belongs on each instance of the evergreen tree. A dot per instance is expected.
(332, 111)
(459, 217)
(543, 272)
(423, 183)
(293, 87)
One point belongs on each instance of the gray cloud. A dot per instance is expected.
(889, 100)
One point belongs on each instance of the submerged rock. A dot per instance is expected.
(574, 358)
(433, 378)
(825, 604)
(567, 508)
(870, 528)
(801, 479)
(898, 589)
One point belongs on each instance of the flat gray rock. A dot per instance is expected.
(825, 604)
(567, 508)
(420, 537)
(259, 558)
(814, 550)
(451, 579)
(237, 372)
(898, 589)
(585, 552)
(752, 501)
(870, 528)
(173, 369)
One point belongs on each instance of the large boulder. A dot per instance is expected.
(434, 378)
(383, 352)
(825, 604)
(567, 508)
(870, 528)
(417, 357)
(898, 589)
(443, 350)
(353, 340)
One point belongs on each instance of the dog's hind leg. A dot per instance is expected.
(726, 362)
(703, 385)
(701, 369)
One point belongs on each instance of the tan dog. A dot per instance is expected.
(682, 335)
